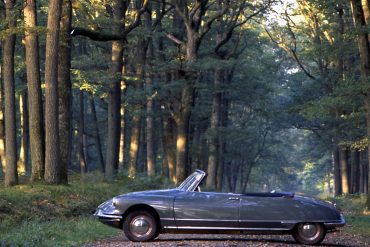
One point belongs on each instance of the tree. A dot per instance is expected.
(11, 175)
(52, 163)
(34, 92)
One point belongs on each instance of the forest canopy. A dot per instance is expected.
(263, 95)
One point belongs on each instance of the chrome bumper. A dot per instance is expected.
(109, 219)
(337, 223)
(99, 213)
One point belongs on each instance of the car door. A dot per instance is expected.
(258, 212)
(206, 210)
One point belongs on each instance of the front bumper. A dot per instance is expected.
(337, 223)
(108, 219)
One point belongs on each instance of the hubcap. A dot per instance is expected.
(140, 226)
(308, 230)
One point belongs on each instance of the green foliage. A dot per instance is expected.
(44, 215)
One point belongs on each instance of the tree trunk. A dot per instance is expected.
(65, 91)
(23, 167)
(114, 96)
(99, 152)
(337, 180)
(170, 151)
(213, 160)
(35, 106)
(11, 176)
(122, 139)
(2, 127)
(52, 165)
(364, 51)
(343, 160)
(81, 134)
(355, 171)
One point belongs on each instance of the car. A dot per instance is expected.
(144, 215)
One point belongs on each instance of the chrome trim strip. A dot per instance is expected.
(224, 228)
(109, 216)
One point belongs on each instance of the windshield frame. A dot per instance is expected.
(192, 182)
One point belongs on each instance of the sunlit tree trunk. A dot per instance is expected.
(23, 152)
(35, 106)
(11, 176)
(52, 164)
(170, 151)
(343, 159)
(65, 91)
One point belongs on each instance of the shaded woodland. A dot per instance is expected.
(260, 94)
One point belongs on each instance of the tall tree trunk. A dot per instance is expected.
(11, 176)
(81, 134)
(170, 151)
(99, 152)
(114, 96)
(122, 139)
(52, 165)
(2, 127)
(355, 171)
(213, 160)
(65, 91)
(35, 106)
(343, 159)
(23, 167)
(364, 51)
(336, 165)
(150, 157)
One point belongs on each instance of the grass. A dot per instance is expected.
(44, 215)
(356, 215)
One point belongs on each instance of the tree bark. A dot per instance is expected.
(355, 171)
(364, 51)
(65, 91)
(114, 96)
(35, 106)
(97, 136)
(52, 165)
(343, 159)
(23, 167)
(213, 160)
(81, 134)
(2, 127)
(11, 176)
(336, 165)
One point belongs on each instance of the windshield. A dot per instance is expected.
(191, 182)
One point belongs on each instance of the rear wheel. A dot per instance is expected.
(309, 233)
(140, 226)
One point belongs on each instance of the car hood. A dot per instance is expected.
(316, 201)
(151, 193)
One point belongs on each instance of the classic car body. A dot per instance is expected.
(143, 215)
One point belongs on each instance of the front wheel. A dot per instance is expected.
(309, 233)
(140, 226)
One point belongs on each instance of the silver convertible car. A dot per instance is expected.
(144, 215)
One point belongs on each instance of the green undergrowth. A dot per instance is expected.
(357, 216)
(60, 215)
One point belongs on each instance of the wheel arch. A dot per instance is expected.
(142, 207)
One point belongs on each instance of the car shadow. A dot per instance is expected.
(242, 240)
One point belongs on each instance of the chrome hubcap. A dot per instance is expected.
(308, 230)
(140, 226)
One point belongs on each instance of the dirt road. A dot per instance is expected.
(332, 239)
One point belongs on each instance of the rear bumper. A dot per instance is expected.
(108, 219)
(337, 223)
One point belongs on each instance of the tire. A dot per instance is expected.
(309, 233)
(140, 226)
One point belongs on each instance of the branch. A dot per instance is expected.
(174, 39)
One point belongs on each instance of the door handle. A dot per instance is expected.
(233, 198)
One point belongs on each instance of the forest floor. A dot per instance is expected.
(339, 238)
